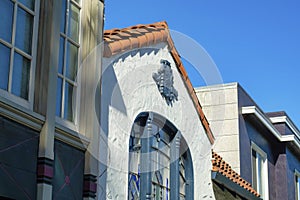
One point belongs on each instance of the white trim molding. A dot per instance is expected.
(21, 115)
(264, 184)
(71, 137)
(268, 124)
(289, 123)
(259, 114)
(259, 150)
(297, 184)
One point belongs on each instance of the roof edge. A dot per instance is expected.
(120, 40)
(253, 110)
(229, 184)
(224, 174)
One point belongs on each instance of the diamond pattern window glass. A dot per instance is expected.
(68, 172)
(18, 160)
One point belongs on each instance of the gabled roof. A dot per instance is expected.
(220, 166)
(120, 40)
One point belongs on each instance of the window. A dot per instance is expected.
(260, 171)
(18, 27)
(297, 176)
(68, 60)
(68, 172)
(163, 168)
(18, 160)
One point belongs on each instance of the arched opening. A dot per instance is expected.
(160, 164)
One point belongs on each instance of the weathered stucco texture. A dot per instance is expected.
(129, 89)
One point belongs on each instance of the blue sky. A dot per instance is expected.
(255, 43)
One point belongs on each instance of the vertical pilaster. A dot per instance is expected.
(45, 92)
(44, 178)
(146, 160)
(174, 167)
(189, 187)
(89, 76)
(89, 186)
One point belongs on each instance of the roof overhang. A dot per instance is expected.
(259, 115)
(288, 122)
(232, 186)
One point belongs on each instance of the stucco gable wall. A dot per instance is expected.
(129, 77)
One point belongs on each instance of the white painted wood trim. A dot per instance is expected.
(254, 110)
(21, 115)
(71, 137)
(282, 138)
(265, 175)
(290, 124)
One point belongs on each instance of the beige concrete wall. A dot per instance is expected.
(220, 105)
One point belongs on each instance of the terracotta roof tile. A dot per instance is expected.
(219, 165)
(121, 40)
(146, 34)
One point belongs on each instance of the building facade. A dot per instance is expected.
(156, 140)
(156, 143)
(262, 147)
(46, 133)
(87, 114)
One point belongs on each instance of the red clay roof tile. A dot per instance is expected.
(121, 40)
(219, 165)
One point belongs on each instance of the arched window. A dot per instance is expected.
(160, 165)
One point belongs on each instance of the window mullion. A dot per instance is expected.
(11, 69)
(6, 43)
(12, 52)
(64, 79)
(146, 187)
(67, 18)
(75, 4)
(174, 166)
(22, 53)
(63, 98)
(257, 172)
(297, 187)
(14, 24)
(65, 60)
(27, 9)
(73, 42)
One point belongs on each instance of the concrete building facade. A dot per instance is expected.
(262, 147)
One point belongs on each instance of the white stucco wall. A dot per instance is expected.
(134, 92)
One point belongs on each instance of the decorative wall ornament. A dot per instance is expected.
(164, 81)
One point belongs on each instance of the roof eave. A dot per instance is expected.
(234, 187)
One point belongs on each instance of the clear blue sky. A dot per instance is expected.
(253, 42)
